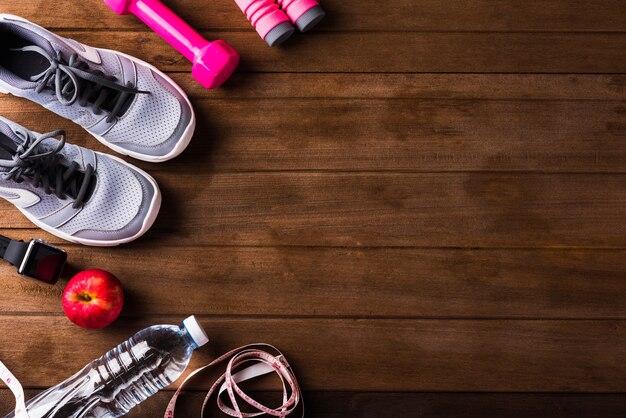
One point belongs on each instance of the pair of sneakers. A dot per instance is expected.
(72, 192)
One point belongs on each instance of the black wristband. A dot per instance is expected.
(13, 251)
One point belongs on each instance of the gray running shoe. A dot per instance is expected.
(74, 193)
(125, 103)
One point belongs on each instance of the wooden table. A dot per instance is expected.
(422, 203)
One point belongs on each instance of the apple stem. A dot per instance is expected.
(84, 297)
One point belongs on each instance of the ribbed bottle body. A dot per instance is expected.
(127, 375)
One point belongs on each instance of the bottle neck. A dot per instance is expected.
(187, 337)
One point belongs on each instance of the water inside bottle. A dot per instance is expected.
(110, 386)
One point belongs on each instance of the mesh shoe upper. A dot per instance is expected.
(120, 200)
(154, 119)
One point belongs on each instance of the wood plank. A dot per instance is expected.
(413, 86)
(341, 282)
(416, 135)
(354, 355)
(435, 405)
(324, 86)
(424, 405)
(387, 209)
(266, 134)
(471, 52)
(362, 15)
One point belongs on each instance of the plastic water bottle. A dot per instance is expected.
(110, 386)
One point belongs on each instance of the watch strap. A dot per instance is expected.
(13, 251)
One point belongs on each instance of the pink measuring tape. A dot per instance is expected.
(263, 363)
(15, 386)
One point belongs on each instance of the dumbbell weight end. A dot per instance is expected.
(214, 64)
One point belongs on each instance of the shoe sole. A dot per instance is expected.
(187, 134)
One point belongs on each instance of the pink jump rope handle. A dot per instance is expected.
(270, 22)
(272, 18)
(213, 62)
(305, 14)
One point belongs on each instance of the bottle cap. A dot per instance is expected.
(196, 331)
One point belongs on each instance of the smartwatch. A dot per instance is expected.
(36, 259)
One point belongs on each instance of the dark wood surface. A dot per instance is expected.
(422, 203)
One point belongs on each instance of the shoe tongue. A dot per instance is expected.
(45, 40)
(36, 36)
(53, 44)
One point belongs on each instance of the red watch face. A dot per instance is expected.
(45, 263)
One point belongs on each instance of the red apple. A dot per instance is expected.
(93, 299)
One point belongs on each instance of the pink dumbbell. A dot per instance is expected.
(305, 14)
(213, 62)
(269, 21)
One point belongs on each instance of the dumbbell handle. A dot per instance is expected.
(213, 62)
(170, 27)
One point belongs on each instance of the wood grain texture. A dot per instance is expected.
(423, 205)
(599, 87)
(579, 132)
(402, 52)
(324, 282)
(428, 405)
(360, 15)
(361, 354)
(382, 209)
(389, 405)
(324, 86)
(377, 209)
